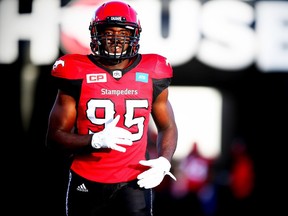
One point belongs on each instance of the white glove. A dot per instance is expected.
(154, 176)
(111, 136)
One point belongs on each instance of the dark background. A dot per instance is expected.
(36, 178)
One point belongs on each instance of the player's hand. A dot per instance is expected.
(111, 136)
(158, 169)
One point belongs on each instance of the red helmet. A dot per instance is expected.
(114, 13)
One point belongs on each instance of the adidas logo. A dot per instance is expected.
(82, 188)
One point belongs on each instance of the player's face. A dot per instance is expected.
(117, 39)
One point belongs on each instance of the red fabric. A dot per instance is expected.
(99, 93)
(242, 177)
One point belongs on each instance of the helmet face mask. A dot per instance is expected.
(115, 31)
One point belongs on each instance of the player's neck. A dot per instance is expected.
(118, 65)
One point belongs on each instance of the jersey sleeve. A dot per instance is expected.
(159, 85)
(65, 75)
(162, 73)
(67, 66)
(162, 67)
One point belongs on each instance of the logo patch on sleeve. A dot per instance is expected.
(58, 62)
(141, 77)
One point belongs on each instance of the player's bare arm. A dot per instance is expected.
(61, 124)
(165, 122)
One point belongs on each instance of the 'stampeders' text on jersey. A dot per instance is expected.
(100, 97)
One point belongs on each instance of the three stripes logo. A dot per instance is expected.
(82, 188)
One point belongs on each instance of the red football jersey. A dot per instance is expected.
(102, 94)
